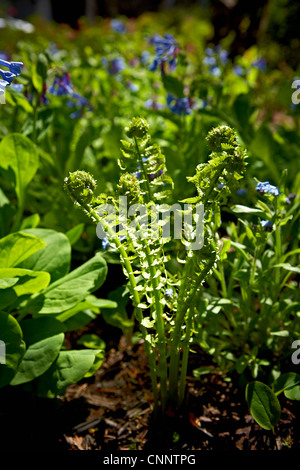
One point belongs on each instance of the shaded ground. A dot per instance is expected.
(112, 411)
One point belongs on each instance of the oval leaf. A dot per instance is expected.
(20, 154)
(44, 338)
(263, 404)
(69, 368)
(71, 289)
(13, 347)
(16, 247)
(55, 257)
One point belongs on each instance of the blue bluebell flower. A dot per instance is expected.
(17, 86)
(179, 105)
(133, 86)
(7, 75)
(267, 188)
(238, 70)
(241, 192)
(289, 197)
(169, 293)
(61, 86)
(266, 225)
(152, 103)
(116, 65)
(166, 50)
(260, 64)
(105, 243)
(145, 56)
(222, 54)
(216, 71)
(209, 60)
(14, 67)
(118, 26)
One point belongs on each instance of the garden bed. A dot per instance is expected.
(112, 411)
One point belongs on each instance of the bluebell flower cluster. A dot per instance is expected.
(118, 26)
(14, 69)
(180, 106)
(214, 59)
(267, 188)
(166, 50)
(62, 86)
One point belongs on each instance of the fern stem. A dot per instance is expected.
(185, 356)
(136, 300)
(145, 176)
(162, 364)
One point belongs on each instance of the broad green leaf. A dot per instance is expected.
(44, 338)
(54, 258)
(286, 381)
(7, 283)
(17, 98)
(293, 393)
(12, 347)
(101, 303)
(73, 288)
(67, 369)
(6, 214)
(98, 361)
(20, 154)
(92, 341)
(16, 247)
(263, 404)
(84, 312)
(30, 282)
(80, 318)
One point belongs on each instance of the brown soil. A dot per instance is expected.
(112, 411)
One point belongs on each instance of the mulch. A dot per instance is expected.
(112, 411)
